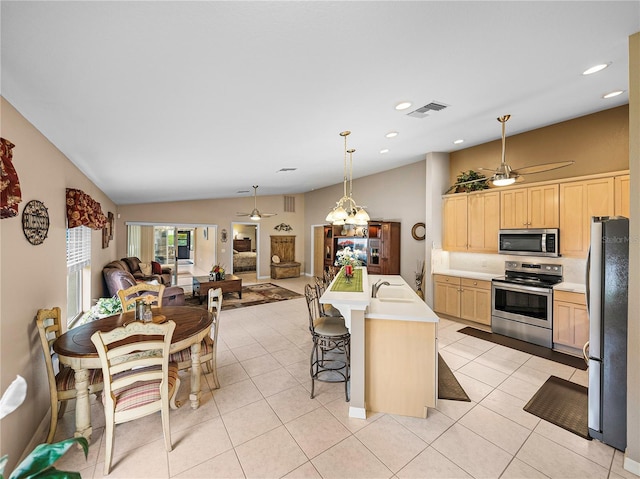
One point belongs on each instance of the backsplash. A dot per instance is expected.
(573, 269)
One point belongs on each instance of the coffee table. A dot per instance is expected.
(230, 284)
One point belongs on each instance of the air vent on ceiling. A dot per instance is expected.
(286, 169)
(423, 111)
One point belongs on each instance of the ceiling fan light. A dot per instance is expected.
(255, 215)
(500, 180)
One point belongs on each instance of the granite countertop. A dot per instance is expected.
(469, 274)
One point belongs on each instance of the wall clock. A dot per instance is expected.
(35, 222)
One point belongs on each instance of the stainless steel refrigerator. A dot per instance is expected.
(607, 300)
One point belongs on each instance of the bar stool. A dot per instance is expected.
(330, 356)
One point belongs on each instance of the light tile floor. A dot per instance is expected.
(261, 423)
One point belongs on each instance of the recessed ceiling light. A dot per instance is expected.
(384, 150)
(457, 142)
(613, 93)
(596, 68)
(391, 134)
(403, 105)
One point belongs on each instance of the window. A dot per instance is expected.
(78, 271)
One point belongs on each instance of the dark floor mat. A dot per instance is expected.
(562, 403)
(525, 347)
(448, 385)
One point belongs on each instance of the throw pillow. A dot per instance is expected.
(145, 268)
(156, 268)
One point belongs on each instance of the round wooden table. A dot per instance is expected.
(76, 350)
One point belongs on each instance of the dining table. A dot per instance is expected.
(75, 349)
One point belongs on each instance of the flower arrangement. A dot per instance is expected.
(346, 257)
(104, 307)
(217, 272)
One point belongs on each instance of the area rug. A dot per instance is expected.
(525, 347)
(448, 385)
(562, 403)
(252, 295)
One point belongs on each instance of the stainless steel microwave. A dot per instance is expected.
(531, 242)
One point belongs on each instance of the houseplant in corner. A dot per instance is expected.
(461, 185)
(39, 462)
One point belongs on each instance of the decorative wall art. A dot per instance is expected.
(35, 222)
(10, 193)
(223, 236)
(283, 227)
(419, 232)
(82, 210)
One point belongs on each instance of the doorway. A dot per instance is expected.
(246, 251)
(188, 249)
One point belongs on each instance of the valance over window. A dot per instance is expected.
(10, 194)
(82, 210)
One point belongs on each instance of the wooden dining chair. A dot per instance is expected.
(209, 345)
(138, 378)
(62, 385)
(129, 296)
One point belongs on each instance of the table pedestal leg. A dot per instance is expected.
(195, 375)
(83, 408)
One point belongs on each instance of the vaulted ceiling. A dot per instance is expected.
(174, 100)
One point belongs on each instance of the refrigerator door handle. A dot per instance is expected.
(585, 353)
(586, 280)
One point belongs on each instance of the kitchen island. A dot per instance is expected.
(394, 347)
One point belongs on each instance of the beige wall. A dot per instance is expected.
(394, 195)
(597, 143)
(220, 212)
(34, 277)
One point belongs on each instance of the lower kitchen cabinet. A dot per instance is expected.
(463, 298)
(475, 300)
(570, 319)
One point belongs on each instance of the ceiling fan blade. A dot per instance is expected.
(266, 215)
(243, 214)
(487, 169)
(530, 170)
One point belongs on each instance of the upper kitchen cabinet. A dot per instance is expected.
(455, 222)
(622, 198)
(483, 222)
(534, 207)
(579, 201)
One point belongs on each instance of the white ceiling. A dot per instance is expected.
(158, 100)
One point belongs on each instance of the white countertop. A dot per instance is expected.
(571, 287)
(469, 274)
(416, 310)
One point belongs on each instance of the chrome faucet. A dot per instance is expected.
(377, 286)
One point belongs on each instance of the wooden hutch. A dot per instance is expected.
(284, 247)
(378, 243)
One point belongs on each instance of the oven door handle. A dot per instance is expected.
(517, 288)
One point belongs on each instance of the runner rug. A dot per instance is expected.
(448, 385)
(252, 295)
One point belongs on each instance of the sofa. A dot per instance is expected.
(126, 272)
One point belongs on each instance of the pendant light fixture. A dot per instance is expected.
(346, 210)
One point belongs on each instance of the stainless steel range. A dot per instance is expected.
(522, 301)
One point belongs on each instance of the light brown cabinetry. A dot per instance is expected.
(455, 223)
(475, 300)
(579, 201)
(622, 197)
(570, 319)
(471, 222)
(483, 222)
(534, 207)
(464, 298)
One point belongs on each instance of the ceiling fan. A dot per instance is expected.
(255, 215)
(504, 175)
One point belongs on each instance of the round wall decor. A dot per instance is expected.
(35, 222)
(418, 231)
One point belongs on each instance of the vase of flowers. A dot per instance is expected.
(348, 260)
(217, 273)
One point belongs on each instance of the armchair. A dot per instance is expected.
(118, 279)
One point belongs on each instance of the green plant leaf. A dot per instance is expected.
(44, 455)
